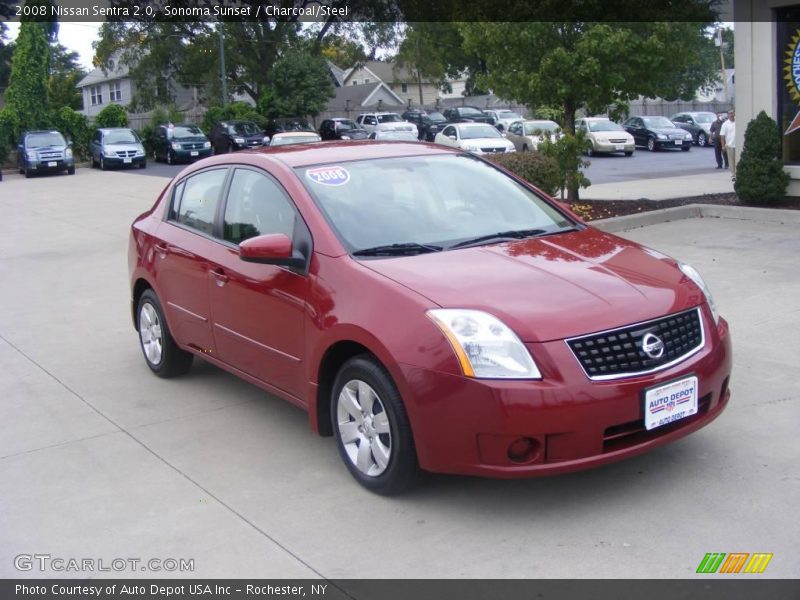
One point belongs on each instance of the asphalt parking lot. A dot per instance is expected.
(100, 459)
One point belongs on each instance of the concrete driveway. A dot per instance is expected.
(101, 460)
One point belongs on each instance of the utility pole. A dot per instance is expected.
(722, 62)
(223, 79)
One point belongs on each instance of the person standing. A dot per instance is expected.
(728, 134)
(722, 157)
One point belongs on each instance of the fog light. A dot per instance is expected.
(523, 450)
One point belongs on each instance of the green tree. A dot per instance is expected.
(582, 65)
(112, 115)
(75, 126)
(299, 85)
(65, 74)
(760, 178)
(27, 94)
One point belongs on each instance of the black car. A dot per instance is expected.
(180, 143)
(467, 114)
(43, 152)
(428, 123)
(228, 136)
(341, 129)
(698, 123)
(286, 124)
(657, 133)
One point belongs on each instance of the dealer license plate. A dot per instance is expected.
(678, 142)
(194, 153)
(620, 147)
(670, 402)
(126, 160)
(52, 164)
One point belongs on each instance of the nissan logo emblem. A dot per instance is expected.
(652, 345)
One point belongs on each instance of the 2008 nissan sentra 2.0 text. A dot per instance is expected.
(426, 308)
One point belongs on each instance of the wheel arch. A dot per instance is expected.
(139, 288)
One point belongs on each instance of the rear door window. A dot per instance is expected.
(197, 205)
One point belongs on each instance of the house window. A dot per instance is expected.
(97, 96)
(355, 81)
(366, 80)
(404, 88)
(114, 92)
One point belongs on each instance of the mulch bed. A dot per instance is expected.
(590, 210)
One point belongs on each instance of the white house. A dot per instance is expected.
(401, 80)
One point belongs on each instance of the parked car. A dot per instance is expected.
(116, 147)
(394, 136)
(696, 123)
(294, 137)
(180, 143)
(229, 136)
(388, 121)
(466, 114)
(427, 309)
(428, 123)
(603, 136)
(44, 152)
(287, 124)
(480, 138)
(502, 118)
(656, 133)
(341, 129)
(527, 135)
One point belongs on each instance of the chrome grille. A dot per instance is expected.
(50, 155)
(492, 150)
(618, 352)
(126, 153)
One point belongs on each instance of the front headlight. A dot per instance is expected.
(239, 141)
(661, 136)
(175, 146)
(265, 141)
(208, 144)
(68, 153)
(472, 148)
(511, 149)
(31, 155)
(692, 274)
(344, 137)
(688, 136)
(140, 151)
(484, 345)
(109, 153)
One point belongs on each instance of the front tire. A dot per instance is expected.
(629, 153)
(651, 144)
(686, 148)
(71, 171)
(143, 164)
(371, 427)
(702, 140)
(170, 158)
(161, 353)
(102, 164)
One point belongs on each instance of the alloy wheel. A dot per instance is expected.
(364, 428)
(151, 333)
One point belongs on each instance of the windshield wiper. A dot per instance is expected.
(500, 236)
(398, 249)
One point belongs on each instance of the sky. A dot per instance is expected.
(74, 36)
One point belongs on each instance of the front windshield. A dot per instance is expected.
(468, 110)
(508, 114)
(604, 126)
(437, 200)
(245, 128)
(705, 117)
(479, 131)
(122, 136)
(280, 140)
(391, 118)
(536, 126)
(346, 124)
(658, 123)
(436, 117)
(39, 140)
(181, 131)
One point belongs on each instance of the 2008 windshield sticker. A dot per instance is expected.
(329, 175)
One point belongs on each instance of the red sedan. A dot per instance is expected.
(427, 309)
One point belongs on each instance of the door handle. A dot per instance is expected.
(162, 249)
(219, 276)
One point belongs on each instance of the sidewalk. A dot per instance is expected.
(718, 182)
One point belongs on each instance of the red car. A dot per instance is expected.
(428, 309)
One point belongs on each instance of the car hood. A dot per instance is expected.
(395, 126)
(122, 147)
(354, 134)
(669, 130)
(553, 287)
(486, 142)
(194, 138)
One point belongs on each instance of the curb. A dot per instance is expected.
(693, 211)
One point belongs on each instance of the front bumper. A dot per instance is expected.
(189, 155)
(50, 165)
(466, 426)
(116, 161)
(673, 143)
(608, 147)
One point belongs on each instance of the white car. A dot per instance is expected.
(385, 121)
(394, 136)
(294, 137)
(527, 135)
(480, 138)
(605, 136)
(503, 118)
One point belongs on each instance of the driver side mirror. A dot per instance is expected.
(271, 249)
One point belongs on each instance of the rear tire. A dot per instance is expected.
(371, 427)
(160, 351)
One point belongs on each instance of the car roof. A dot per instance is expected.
(41, 131)
(316, 153)
(105, 129)
(595, 118)
(378, 113)
(471, 125)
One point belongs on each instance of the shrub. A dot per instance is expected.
(8, 126)
(74, 126)
(535, 168)
(112, 115)
(760, 178)
(160, 117)
(239, 111)
(567, 152)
